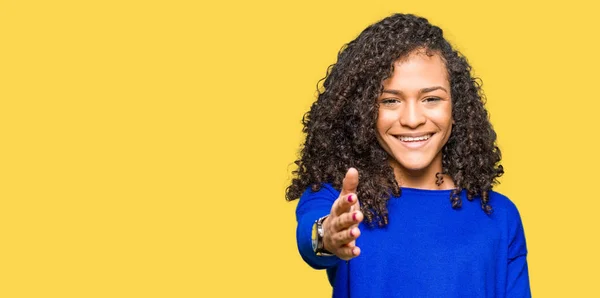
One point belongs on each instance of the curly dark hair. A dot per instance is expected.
(340, 126)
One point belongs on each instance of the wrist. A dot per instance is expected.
(317, 237)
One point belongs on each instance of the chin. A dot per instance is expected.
(415, 168)
(413, 165)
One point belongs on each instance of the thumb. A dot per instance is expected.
(350, 182)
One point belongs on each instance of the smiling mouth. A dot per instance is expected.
(414, 139)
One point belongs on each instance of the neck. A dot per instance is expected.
(422, 178)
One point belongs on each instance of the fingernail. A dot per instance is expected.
(350, 198)
(354, 216)
(352, 232)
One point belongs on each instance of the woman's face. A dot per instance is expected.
(415, 113)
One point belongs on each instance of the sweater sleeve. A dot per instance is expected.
(311, 207)
(518, 276)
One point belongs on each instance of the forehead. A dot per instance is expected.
(418, 69)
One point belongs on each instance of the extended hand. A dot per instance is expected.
(340, 229)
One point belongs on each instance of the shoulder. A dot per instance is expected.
(510, 222)
(503, 207)
(501, 200)
(319, 200)
(325, 190)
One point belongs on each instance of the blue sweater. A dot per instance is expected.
(428, 249)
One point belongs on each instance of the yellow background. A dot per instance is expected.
(146, 145)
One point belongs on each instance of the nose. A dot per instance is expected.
(412, 115)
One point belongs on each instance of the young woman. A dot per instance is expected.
(395, 176)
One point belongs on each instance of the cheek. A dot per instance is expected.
(385, 121)
(443, 118)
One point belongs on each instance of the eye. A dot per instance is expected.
(432, 99)
(390, 101)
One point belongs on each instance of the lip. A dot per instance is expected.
(414, 134)
(414, 144)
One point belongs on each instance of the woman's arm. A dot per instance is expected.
(312, 206)
(517, 284)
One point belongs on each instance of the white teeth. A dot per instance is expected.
(414, 139)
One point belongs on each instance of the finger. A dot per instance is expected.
(343, 204)
(347, 220)
(346, 237)
(350, 182)
(351, 243)
(347, 196)
(354, 207)
(347, 252)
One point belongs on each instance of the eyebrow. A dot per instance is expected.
(424, 90)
